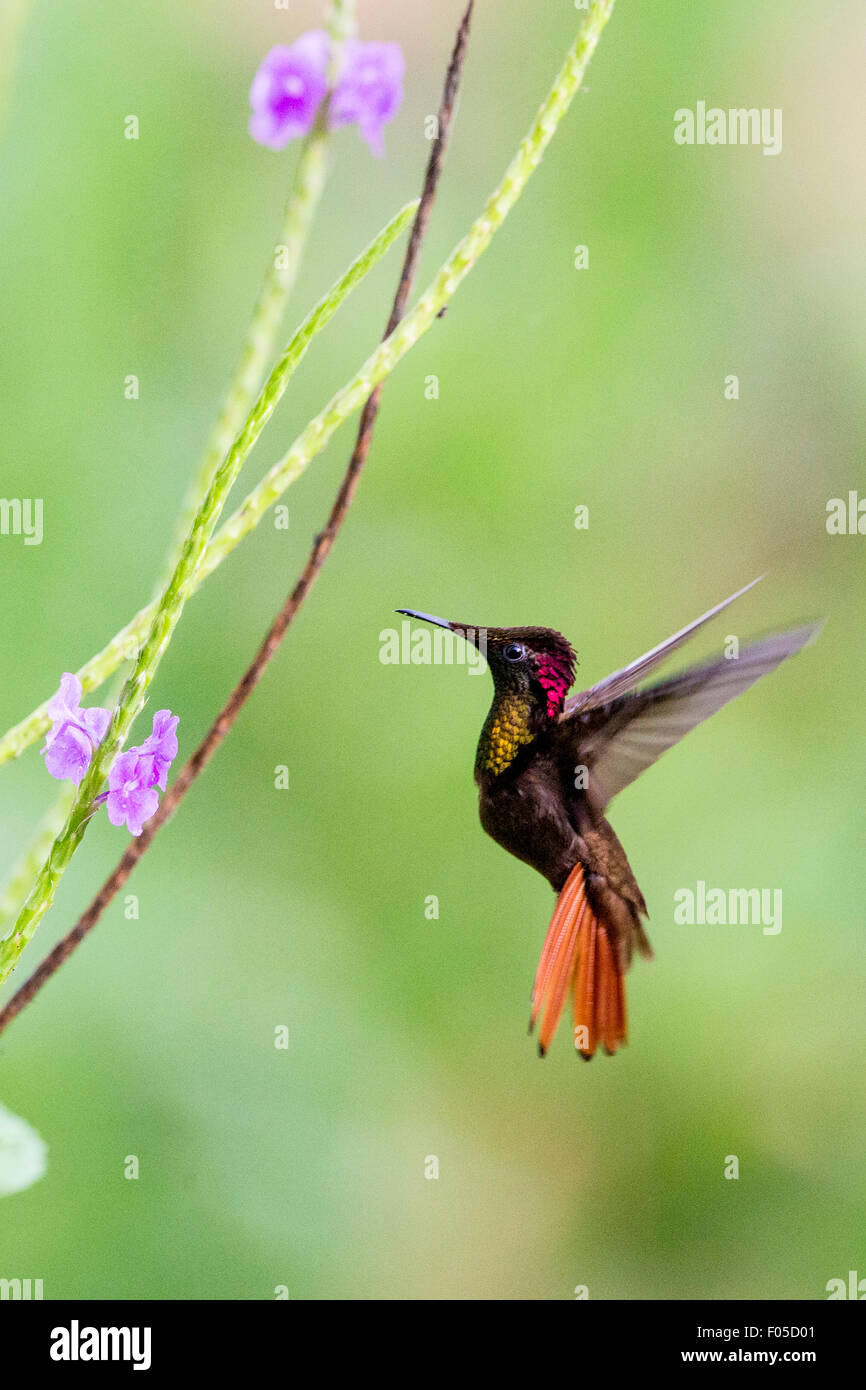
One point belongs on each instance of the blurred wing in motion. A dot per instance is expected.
(636, 671)
(619, 740)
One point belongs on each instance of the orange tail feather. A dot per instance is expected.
(579, 951)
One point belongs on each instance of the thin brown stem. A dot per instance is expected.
(319, 553)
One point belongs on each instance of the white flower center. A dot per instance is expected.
(294, 86)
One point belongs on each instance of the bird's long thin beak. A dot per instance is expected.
(428, 618)
(476, 636)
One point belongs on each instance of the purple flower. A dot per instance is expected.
(161, 745)
(132, 798)
(288, 89)
(132, 795)
(292, 82)
(74, 732)
(370, 89)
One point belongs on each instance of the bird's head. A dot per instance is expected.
(529, 661)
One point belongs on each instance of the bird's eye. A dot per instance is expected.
(515, 651)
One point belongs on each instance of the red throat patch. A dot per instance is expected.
(555, 682)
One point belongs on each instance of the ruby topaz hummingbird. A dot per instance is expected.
(547, 767)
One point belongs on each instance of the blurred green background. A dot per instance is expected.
(305, 907)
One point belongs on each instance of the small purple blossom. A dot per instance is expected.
(161, 745)
(132, 796)
(288, 89)
(292, 82)
(369, 91)
(74, 733)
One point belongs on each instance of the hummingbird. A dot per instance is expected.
(547, 767)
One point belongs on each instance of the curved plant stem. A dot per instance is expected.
(258, 345)
(342, 21)
(256, 352)
(383, 361)
(170, 606)
(19, 881)
(279, 280)
(319, 553)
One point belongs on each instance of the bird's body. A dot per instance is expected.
(539, 818)
(546, 768)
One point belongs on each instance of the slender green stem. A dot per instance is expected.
(407, 333)
(280, 278)
(258, 345)
(168, 609)
(352, 396)
(256, 352)
(342, 21)
(20, 879)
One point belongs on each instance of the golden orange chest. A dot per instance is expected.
(508, 728)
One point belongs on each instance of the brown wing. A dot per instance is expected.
(636, 671)
(618, 740)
